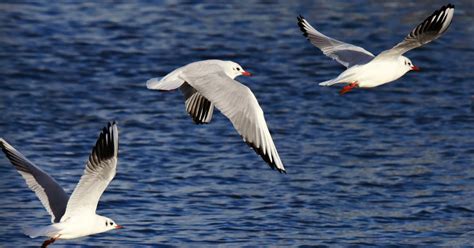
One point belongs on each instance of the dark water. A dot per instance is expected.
(388, 166)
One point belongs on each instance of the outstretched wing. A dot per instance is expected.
(51, 195)
(197, 106)
(238, 103)
(430, 29)
(100, 170)
(344, 53)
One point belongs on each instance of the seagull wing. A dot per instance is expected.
(51, 195)
(238, 103)
(198, 107)
(430, 29)
(344, 53)
(100, 170)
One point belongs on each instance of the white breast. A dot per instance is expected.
(79, 227)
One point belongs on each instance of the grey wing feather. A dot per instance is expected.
(197, 106)
(51, 195)
(344, 53)
(430, 29)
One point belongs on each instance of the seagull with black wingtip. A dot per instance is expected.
(364, 70)
(75, 216)
(211, 83)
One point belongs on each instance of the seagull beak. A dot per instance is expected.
(118, 227)
(415, 68)
(246, 73)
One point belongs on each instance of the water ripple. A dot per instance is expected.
(383, 167)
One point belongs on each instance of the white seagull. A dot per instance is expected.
(74, 216)
(365, 70)
(210, 83)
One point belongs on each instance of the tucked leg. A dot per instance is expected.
(48, 242)
(348, 88)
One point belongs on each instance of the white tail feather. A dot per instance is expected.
(160, 84)
(328, 83)
(33, 232)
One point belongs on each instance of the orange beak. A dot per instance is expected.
(246, 73)
(119, 227)
(415, 68)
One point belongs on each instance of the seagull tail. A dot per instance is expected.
(163, 84)
(34, 232)
(329, 82)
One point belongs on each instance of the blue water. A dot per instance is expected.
(392, 165)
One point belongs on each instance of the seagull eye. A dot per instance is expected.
(238, 69)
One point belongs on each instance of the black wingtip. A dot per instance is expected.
(198, 121)
(198, 107)
(443, 8)
(300, 24)
(113, 123)
(265, 157)
(433, 23)
(17, 160)
(105, 146)
(3, 146)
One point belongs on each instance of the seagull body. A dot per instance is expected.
(370, 75)
(73, 227)
(365, 70)
(210, 83)
(74, 216)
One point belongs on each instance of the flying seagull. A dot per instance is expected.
(365, 70)
(72, 217)
(210, 83)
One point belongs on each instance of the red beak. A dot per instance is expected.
(119, 227)
(246, 73)
(415, 68)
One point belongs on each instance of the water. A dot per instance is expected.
(387, 166)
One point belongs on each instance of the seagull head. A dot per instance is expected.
(408, 65)
(234, 70)
(108, 224)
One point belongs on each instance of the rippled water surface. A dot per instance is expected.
(388, 166)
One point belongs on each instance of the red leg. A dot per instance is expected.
(348, 88)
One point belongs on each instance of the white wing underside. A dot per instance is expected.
(238, 103)
(51, 195)
(100, 170)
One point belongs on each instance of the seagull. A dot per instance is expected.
(72, 217)
(210, 83)
(364, 70)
